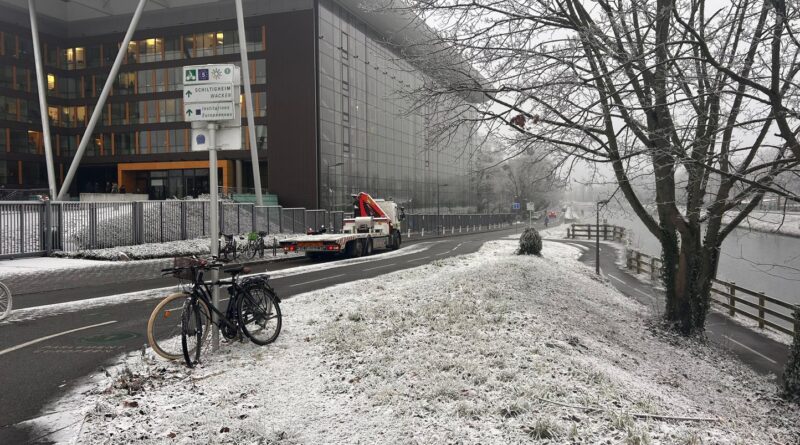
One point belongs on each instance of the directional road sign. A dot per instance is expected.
(199, 74)
(515, 206)
(209, 111)
(209, 93)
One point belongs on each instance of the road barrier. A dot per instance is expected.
(31, 228)
(765, 310)
(590, 231)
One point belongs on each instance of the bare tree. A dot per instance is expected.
(699, 96)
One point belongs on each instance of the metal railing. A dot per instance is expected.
(29, 228)
(590, 231)
(765, 310)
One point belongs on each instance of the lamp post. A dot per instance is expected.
(438, 208)
(597, 237)
(330, 189)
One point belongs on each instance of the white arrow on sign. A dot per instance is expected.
(209, 93)
(219, 111)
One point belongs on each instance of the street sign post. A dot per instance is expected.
(211, 102)
(531, 207)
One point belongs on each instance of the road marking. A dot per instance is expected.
(39, 340)
(751, 350)
(443, 253)
(418, 259)
(314, 281)
(380, 267)
(454, 248)
(612, 276)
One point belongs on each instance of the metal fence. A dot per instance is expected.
(35, 228)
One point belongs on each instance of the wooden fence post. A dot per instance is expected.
(732, 291)
(638, 263)
(761, 303)
(653, 270)
(568, 233)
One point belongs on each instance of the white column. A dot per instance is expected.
(248, 97)
(101, 101)
(37, 56)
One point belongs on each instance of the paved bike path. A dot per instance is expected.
(760, 352)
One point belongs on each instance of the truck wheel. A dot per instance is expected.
(354, 248)
(368, 247)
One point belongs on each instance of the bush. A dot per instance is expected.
(530, 243)
(791, 374)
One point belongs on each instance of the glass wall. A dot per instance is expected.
(371, 140)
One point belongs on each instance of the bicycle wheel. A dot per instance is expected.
(5, 301)
(259, 314)
(164, 325)
(251, 249)
(191, 332)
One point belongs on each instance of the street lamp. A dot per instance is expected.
(600, 204)
(438, 208)
(330, 189)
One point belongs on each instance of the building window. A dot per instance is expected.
(345, 108)
(51, 82)
(345, 77)
(346, 138)
(345, 45)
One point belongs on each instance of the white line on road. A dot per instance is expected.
(314, 281)
(418, 259)
(39, 340)
(380, 267)
(751, 350)
(612, 276)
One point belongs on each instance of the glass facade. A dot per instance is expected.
(370, 140)
(143, 114)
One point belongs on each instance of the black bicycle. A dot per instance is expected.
(228, 250)
(253, 308)
(255, 245)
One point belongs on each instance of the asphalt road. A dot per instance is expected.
(41, 359)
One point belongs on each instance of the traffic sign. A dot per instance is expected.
(515, 206)
(531, 207)
(209, 93)
(199, 74)
(209, 111)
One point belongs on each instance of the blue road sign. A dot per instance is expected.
(515, 206)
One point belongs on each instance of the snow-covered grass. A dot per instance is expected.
(483, 348)
(197, 246)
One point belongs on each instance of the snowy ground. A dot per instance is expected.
(483, 348)
(197, 246)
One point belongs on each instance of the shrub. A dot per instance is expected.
(530, 243)
(791, 374)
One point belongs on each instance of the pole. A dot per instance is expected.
(101, 101)
(248, 97)
(597, 242)
(43, 110)
(214, 224)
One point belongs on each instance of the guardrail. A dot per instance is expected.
(590, 231)
(766, 310)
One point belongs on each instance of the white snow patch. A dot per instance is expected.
(489, 347)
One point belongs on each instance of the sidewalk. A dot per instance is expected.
(760, 352)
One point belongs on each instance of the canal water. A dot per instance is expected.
(762, 262)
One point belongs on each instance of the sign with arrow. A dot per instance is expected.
(208, 93)
(209, 111)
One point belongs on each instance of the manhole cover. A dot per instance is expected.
(111, 338)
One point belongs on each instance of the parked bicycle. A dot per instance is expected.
(255, 245)
(228, 249)
(5, 301)
(253, 310)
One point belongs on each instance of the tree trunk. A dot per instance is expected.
(693, 265)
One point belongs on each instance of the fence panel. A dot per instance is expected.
(21, 228)
(315, 219)
(293, 220)
(195, 215)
